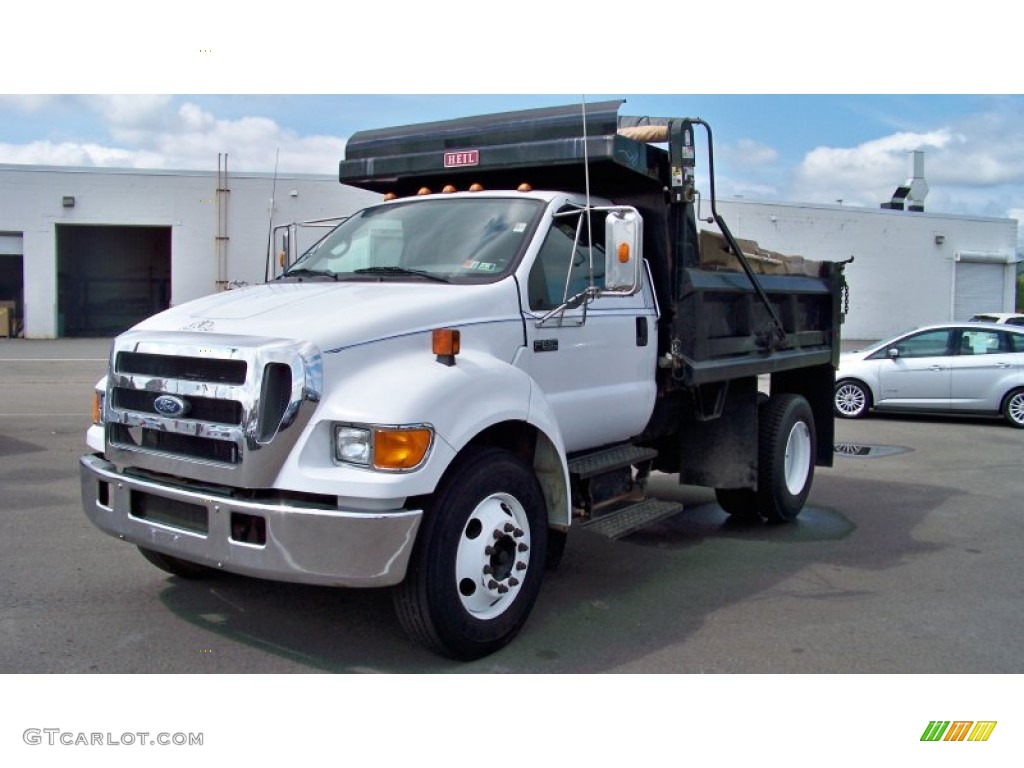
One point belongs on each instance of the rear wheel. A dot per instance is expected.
(739, 503)
(479, 559)
(787, 451)
(1013, 408)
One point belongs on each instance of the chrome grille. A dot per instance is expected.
(232, 407)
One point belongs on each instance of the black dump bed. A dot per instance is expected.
(724, 314)
(542, 147)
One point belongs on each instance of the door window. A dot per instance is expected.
(560, 271)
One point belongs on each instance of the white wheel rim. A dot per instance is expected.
(798, 458)
(1015, 408)
(850, 400)
(493, 556)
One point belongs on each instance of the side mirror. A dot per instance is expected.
(893, 352)
(624, 235)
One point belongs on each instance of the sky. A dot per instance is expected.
(822, 149)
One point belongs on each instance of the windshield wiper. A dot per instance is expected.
(401, 272)
(305, 272)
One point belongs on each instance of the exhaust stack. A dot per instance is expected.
(914, 190)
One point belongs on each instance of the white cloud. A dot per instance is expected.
(747, 153)
(76, 154)
(869, 173)
(151, 132)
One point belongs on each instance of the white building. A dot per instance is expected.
(86, 251)
(909, 268)
(89, 252)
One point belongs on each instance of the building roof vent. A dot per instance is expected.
(911, 194)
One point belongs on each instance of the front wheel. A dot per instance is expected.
(479, 559)
(175, 565)
(1013, 408)
(851, 399)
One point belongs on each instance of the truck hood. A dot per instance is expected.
(338, 315)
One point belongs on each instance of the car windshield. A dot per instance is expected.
(447, 239)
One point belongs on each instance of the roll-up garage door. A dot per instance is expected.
(980, 284)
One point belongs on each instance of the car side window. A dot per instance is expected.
(1016, 341)
(927, 344)
(982, 343)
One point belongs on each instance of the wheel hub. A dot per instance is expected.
(493, 556)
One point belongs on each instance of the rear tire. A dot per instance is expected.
(479, 559)
(178, 567)
(786, 458)
(739, 503)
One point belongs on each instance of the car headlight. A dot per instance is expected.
(382, 447)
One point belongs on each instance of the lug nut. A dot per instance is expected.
(520, 566)
(497, 534)
(488, 570)
(523, 547)
(488, 550)
(518, 533)
(513, 581)
(502, 589)
(509, 527)
(492, 584)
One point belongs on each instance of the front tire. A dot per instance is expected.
(1013, 408)
(176, 566)
(479, 559)
(851, 399)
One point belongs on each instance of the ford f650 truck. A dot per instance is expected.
(503, 349)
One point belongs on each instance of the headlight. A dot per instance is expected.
(352, 445)
(387, 448)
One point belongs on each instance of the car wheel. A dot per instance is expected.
(479, 559)
(178, 567)
(851, 400)
(1013, 408)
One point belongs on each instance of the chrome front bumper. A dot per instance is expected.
(307, 545)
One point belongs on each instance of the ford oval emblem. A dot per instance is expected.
(171, 405)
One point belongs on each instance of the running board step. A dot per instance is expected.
(615, 525)
(600, 462)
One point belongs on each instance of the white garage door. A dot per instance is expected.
(980, 287)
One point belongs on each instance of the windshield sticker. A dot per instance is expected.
(519, 226)
(481, 266)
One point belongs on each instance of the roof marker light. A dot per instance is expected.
(449, 188)
(524, 187)
(424, 191)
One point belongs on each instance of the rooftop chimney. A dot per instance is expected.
(914, 190)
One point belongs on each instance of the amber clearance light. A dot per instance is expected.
(400, 448)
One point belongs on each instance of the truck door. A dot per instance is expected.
(594, 361)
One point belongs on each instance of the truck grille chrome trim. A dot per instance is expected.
(241, 403)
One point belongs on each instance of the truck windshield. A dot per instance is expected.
(457, 239)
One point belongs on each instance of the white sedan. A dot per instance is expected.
(946, 368)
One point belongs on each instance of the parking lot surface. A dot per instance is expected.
(906, 560)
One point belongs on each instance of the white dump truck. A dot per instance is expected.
(437, 393)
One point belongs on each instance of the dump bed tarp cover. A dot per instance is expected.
(542, 147)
